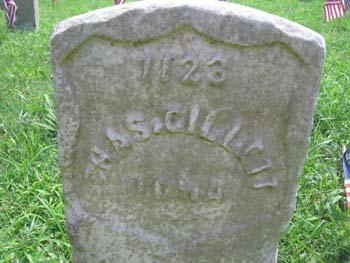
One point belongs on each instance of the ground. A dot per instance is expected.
(32, 225)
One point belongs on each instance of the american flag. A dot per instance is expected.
(119, 2)
(346, 168)
(333, 9)
(10, 8)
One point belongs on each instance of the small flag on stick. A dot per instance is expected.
(334, 9)
(346, 168)
(10, 8)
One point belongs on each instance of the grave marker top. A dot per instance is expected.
(183, 126)
(27, 17)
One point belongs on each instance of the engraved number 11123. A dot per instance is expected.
(192, 69)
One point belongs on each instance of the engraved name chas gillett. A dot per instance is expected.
(179, 120)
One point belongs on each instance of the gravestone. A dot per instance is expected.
(183, 128)
(27, 17)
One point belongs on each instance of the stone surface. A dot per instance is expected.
(183, 128)
(27, 17)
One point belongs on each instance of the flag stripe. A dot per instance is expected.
(10, 8)
(335, 11)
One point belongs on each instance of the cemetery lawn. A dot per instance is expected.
(32, 227)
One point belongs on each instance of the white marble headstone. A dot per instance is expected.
(183, 128)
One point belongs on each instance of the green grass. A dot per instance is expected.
(32, 225)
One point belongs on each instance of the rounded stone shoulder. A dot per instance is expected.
(221, 21)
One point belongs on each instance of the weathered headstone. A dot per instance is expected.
(183, 128)
(27, 17)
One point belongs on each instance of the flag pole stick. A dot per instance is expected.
(346, 170)
(339, 23)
